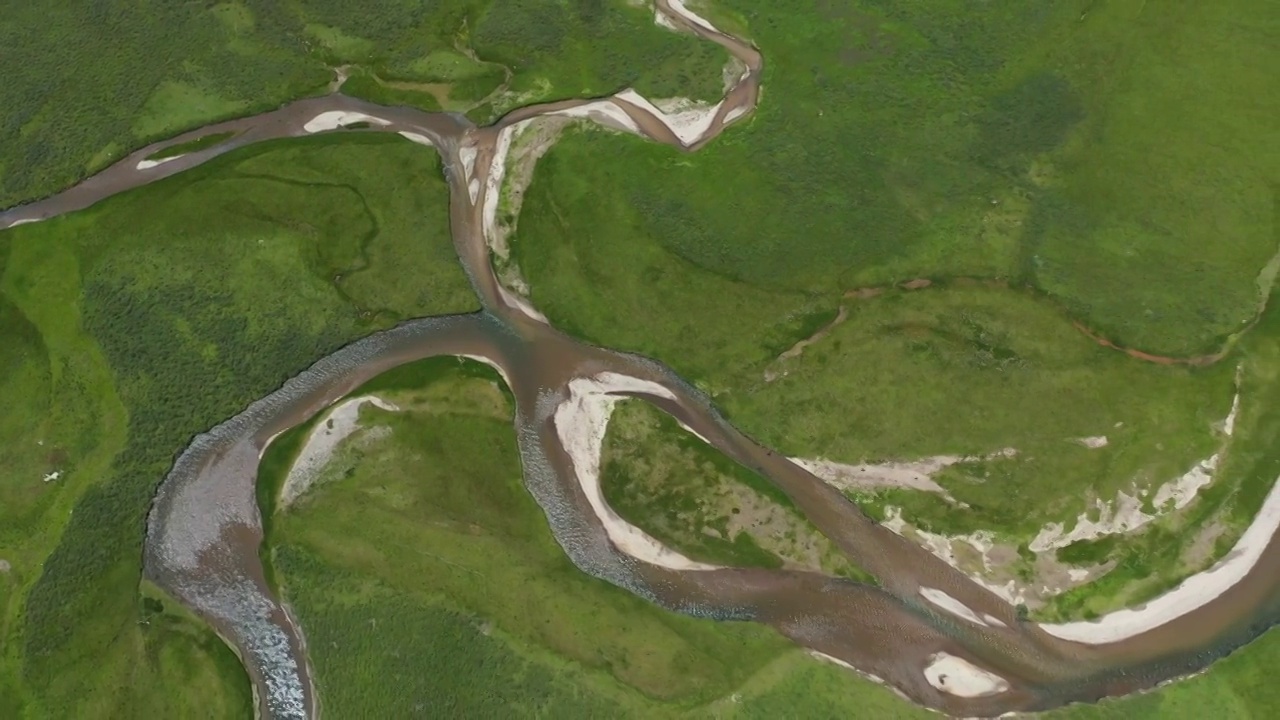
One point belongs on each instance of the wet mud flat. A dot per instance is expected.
(205, 528)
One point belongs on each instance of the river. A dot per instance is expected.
(205, 528)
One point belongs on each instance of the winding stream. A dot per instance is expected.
(927, 630)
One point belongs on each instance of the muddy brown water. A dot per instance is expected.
(205, 528)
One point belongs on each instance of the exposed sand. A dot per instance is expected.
(23, 221)
(1183, 490)
(581, 421)
(689, 124)
(680, 9)
(334, 119)
(943, 548)
(959, 677)
(529, 142)
(1192, 593)
(489, 210)
(519, 303)
(148, 164)
(606, 112)
(687, 120)
(735, 113)
(832, 659)
(1093, 442)
(1229, 422)
(951, 605)
(493, 181)
(467, 154)
(693, 432)
(1125, 515)
(417, 137)
(336, 425)
(912, 474)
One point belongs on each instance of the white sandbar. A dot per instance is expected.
(338, 424)
(951, 605)
(467, 154)
(581, 421)
(515, 301)
(605, 112)
(334, 119)
(690, 124)
(493, 181)
(490, 363)
(416, 137)
(691, 16)
(837, 661)
(912, 474)
(148, 164)
(735, 113)
(961, 678)
(1193, 593)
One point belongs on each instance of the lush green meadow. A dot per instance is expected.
(427, 582)
(1109, 162)
(151, 317)
(1117, 157)
(686, 494)
(971, 371)
(88, 82)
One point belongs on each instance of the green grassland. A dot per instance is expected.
(973, 370)
(1159, 557)
(681, 491)
(1110, 162)
(134, 325)
(88, 82)
(1115, 156)
(938, 139)
(965, 370)
(427, 583)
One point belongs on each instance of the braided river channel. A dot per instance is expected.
(926, 629)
